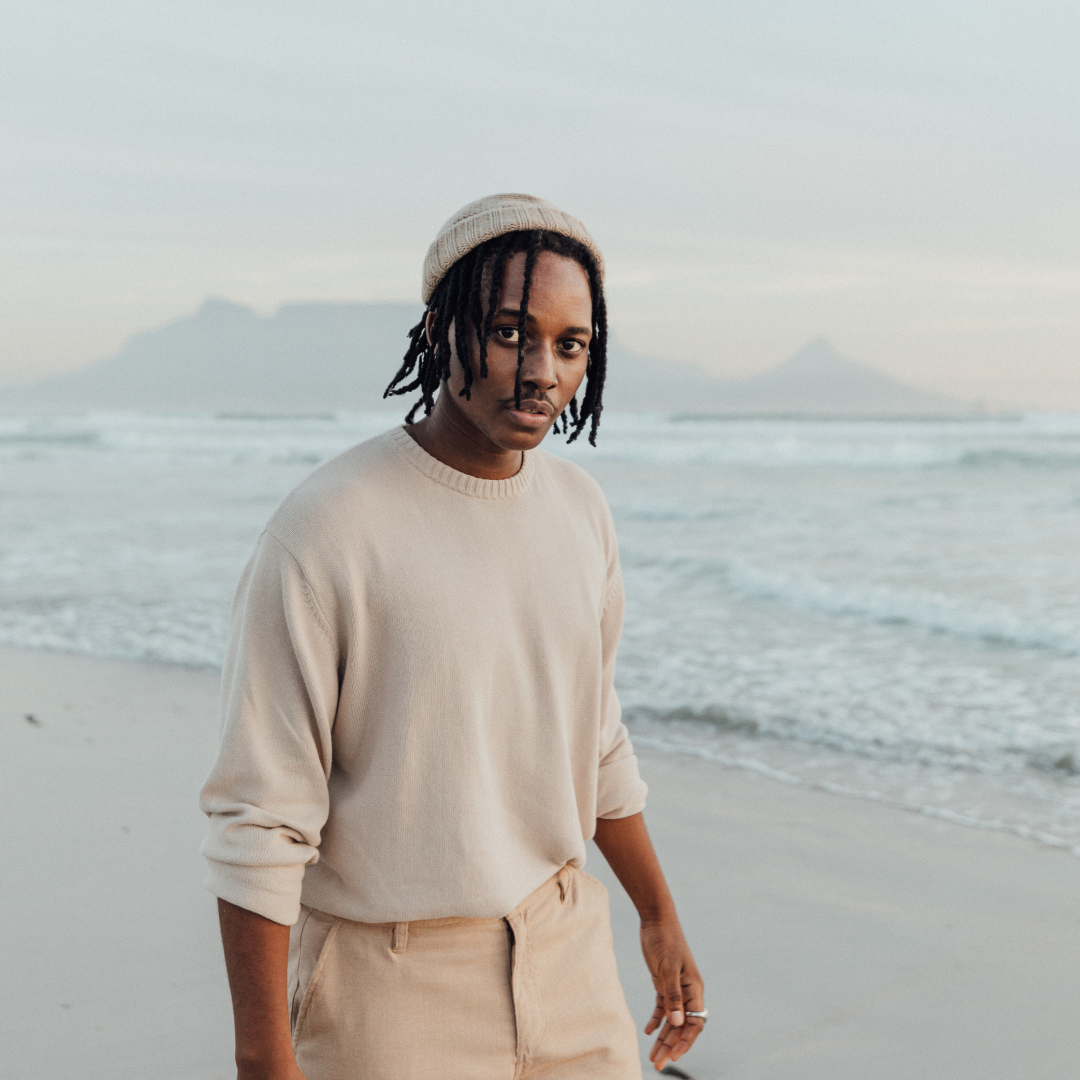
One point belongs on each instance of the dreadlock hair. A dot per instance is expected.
(457, 300)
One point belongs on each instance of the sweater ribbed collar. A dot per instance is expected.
(468, 485)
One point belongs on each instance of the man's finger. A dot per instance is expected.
(673, 999)
(690, 1031)
(657, 1017)
(659, 1054)
(693, 1026)
(660, 1045)
(661, 1051)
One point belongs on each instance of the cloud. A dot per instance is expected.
(900, 177)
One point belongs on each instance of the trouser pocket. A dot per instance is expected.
(310, 941)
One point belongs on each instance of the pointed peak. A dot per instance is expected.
(818, 354)
(819, 342)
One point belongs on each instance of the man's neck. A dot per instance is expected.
(453, 440)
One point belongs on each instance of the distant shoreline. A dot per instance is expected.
(672, 416)
(854, 418)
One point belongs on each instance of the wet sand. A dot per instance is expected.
(839, 939)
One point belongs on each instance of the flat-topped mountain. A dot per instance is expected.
(224, 357)
(325, 357)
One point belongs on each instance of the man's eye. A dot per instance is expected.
(572, 347)
(507, 333)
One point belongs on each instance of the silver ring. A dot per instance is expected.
(703, 1015)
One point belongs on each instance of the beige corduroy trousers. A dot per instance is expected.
(533, 995)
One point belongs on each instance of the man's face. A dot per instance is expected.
(557, 339)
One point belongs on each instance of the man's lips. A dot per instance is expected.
(532, 406)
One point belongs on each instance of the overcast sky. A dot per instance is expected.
(901, 177)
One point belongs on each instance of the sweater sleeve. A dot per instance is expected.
(266, 796)
(620, 791)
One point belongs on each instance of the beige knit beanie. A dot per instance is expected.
(493, 216)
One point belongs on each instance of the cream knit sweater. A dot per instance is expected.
(418, 712)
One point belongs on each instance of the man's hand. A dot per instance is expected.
(625, 844)
(678, 987)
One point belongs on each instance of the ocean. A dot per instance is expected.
(885, 610)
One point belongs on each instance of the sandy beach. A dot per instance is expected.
(838, 938)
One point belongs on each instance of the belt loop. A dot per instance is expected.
(401, 937)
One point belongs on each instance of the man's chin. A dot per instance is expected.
(512, 436)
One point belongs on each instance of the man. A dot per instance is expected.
(420, 731)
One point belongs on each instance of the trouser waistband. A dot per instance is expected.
(400, 930)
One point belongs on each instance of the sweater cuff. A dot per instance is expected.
(270, 891)
(620, 791)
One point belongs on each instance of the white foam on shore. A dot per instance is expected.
(163, 633)
(941, 813)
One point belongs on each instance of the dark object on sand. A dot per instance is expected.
(670, 1070)
(30, 718)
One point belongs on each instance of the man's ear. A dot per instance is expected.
(429, 322)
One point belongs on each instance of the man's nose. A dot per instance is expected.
(539, 368)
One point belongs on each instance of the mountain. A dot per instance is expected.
(818, 381)
(224, 357)
(323, 357)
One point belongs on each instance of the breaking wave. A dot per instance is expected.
(884, 605)
(695, 725)
(877, 604)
